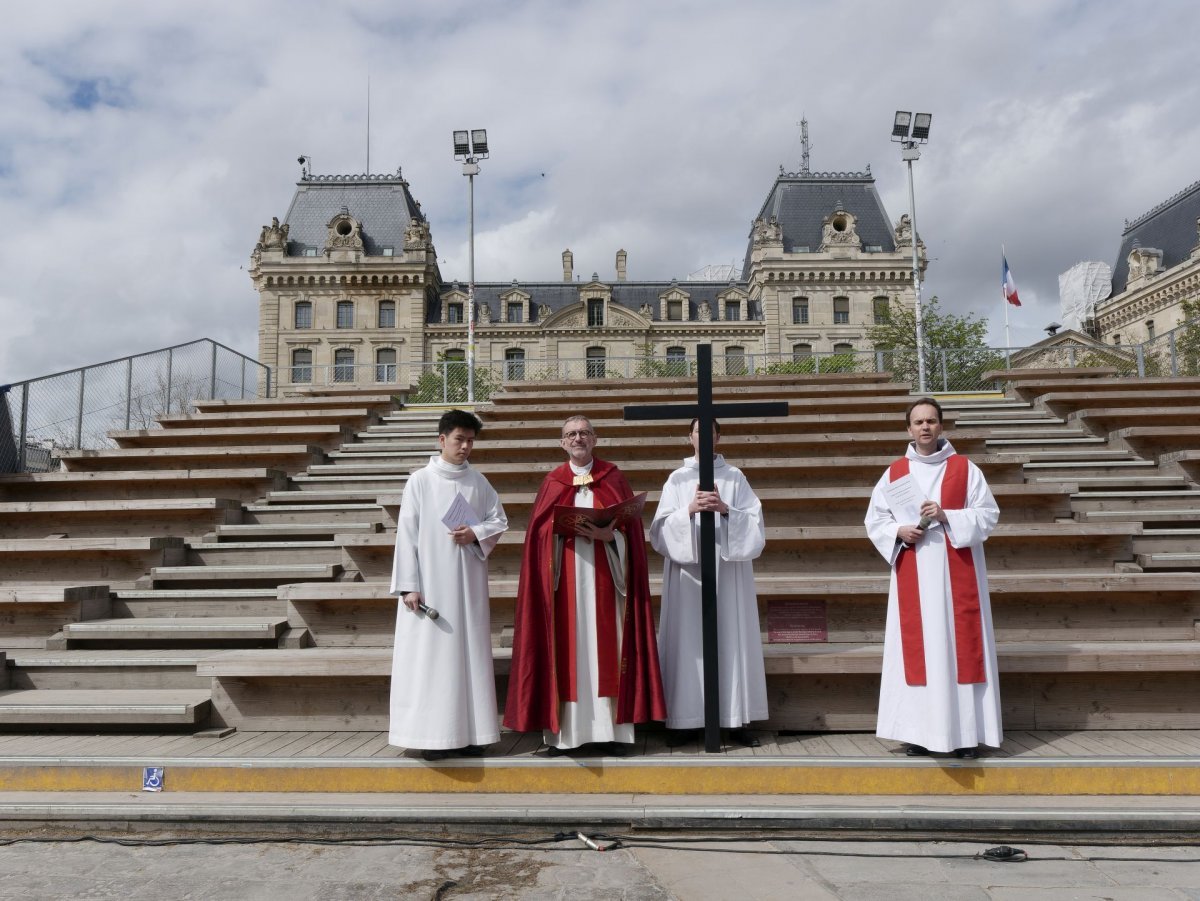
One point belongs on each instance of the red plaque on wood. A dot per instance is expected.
(796, 621)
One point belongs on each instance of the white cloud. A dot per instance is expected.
(143, 144)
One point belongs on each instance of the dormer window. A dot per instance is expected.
(733, 311)
(454, 313)
(515, 312)
(595, 311)
(675, 310)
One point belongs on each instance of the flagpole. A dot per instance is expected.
(1004, 300)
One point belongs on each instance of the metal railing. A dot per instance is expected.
(76, 409)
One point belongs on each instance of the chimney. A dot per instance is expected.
(568, 266)
(622, 256)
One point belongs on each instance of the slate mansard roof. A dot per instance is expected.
(630, 295)
(1169, 227)
(801, 201)
(381, 203)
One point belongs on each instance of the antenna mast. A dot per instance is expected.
(368, 120)
(804, 170)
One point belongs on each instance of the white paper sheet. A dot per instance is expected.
(904, 499)
(460, 513)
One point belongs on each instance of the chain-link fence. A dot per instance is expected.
(77, 409)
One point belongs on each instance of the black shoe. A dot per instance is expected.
(473, 751)
(967, 753)
(552, 751)
(745, 738)
(916, 751)
(439, 754)
(617, 748)
(678, 737)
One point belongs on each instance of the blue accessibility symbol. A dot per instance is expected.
(152, 779)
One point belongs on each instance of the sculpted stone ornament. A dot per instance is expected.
(705, 311)
(904, 234)
(767, 231)
(416, 236)
(345, 233)
(838, 230)
(1144, 262)
(273, 236)
(543, 312)
(646, 310)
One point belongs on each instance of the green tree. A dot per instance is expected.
(446, 382)
(956, 351)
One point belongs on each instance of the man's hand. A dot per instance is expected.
(910, 534)
(463, 536)
(707, 500)
(595, 532)
(933, 510)
(412, 600)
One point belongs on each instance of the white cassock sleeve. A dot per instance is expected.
(406, 566)
(881, 523)
(973, 524)
(671, 532)
(745, 535)
(494, 524)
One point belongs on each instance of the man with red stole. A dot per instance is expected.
(584, 662)
(930, 514)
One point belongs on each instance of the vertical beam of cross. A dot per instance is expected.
(705, 411)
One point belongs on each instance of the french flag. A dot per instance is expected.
(1009, 286)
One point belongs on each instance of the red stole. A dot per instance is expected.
(964, 589)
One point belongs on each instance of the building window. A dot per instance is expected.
(385, 364)
(1117, 339)
(310, 251)
(515, 313)
(388, 251)
(677, 361)
(387, 314)
(454, 313)
(343, 365)
(514, 364)
(735, 361)
(595, 308)
(303, 315)
(455, 356)
(301, 366)
(841, 311)
(801, 351)
(733, 311)
(883, 311)
(675, 310)
(345, 314)
(1149, 329)
(595, 362)
(800, 310)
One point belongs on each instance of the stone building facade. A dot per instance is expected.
(350, 292)
(1157, 268)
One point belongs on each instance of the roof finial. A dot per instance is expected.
(804, 148)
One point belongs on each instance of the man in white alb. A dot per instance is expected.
(443, 694)
(741, 536)
(929, 516)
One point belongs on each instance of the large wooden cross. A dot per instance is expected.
(706, 411)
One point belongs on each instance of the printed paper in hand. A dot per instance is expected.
(904, 500)
(460, 513)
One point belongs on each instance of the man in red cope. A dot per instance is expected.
(584, 662)
(930, 514)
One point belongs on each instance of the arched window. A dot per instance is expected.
(343, 365)
(801, 351)
(514, 364)
(301, 366)
(595, 310)
(345, 314)
(595, 362)
(677, 361)
(303, 314)
(1149, 329)
(455, 356)
(387, 314)
(883, 310)
(735, 361)
(385, 364)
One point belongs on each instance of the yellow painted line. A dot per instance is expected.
(598, 779)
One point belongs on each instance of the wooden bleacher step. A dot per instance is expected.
(1131, 482)
(299, 513)
(223, 553)
(277, 574)
(380, 400)
(208, 601)
(108, 707)
(152, 630)
(261, 533)
(1170, 562)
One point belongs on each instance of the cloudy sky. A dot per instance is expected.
(144, 144)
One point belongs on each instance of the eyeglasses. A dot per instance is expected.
(581, 433)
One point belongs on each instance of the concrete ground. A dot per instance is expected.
(688, 867)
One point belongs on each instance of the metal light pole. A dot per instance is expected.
(471, 147)
(909, 152)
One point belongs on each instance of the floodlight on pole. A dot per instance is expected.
(909, 152)
(471, 147)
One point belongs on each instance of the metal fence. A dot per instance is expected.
(77, 409)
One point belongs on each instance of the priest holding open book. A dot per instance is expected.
(585, 662)
(930, 514)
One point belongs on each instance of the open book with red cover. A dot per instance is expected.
(566, 518)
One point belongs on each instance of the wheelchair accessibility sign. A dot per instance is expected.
(152, 779)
